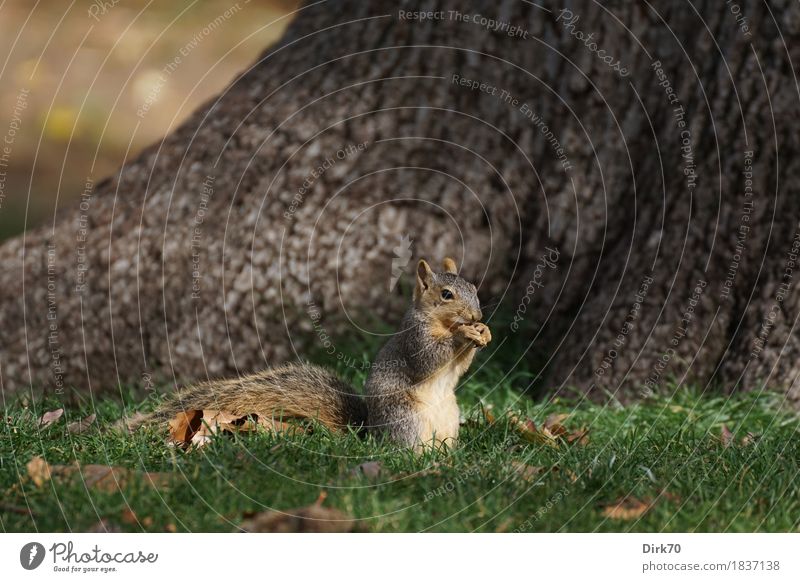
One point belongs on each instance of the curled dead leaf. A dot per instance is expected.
(81, 425)
(196, 427)
(98, 477)
(628, 508)
(50, 417)
(527, 472)
(38, 470)
(726, 436)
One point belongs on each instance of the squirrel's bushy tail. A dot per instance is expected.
(291, 391)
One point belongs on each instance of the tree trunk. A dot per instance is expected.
(619, 177)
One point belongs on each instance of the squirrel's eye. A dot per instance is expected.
(447, 295)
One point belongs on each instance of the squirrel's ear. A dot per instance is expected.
(424, 277)
(449, 266)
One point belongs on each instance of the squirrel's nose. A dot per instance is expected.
(477, 315)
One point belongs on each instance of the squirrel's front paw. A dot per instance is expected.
(477, 333)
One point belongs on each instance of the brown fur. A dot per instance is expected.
(291, 391)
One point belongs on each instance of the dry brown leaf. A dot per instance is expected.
(99, 477)
(38, 471)
(579, 436)
(311, 519)
(533, 434)
(568, 472)
(525, 471)
(50, 417)
(749, 439)
(82, 425)
(196, 427)
(628, 508)
(184, 425)
(129, 516)
(553, 424)
(726, 436)
(370, 469)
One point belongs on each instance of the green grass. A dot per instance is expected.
(666, 449)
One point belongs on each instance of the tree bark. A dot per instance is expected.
(620, 180)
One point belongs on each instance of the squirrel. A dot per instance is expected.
(409, 392)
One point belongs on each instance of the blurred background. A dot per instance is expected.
(88, 84)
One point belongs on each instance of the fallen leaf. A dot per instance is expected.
(38, 471)
(533, 434)
(568, 472)
(749, 439)
(525, 471)
(370, 469)
(551, 433)
(196, 427)
(579, 436)
(82, 425)
(171, 528)
(553, 424)
(628, 508)
(50, 417)
(311, 519)
(99, 477)
(129, 516)
(726, 436)
(184, 425)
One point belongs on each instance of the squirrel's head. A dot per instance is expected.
(446, 296)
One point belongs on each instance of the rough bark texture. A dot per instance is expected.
(650, 276)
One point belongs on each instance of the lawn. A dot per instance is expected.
(668, 464)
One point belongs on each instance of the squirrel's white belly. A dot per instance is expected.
(437, 408)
